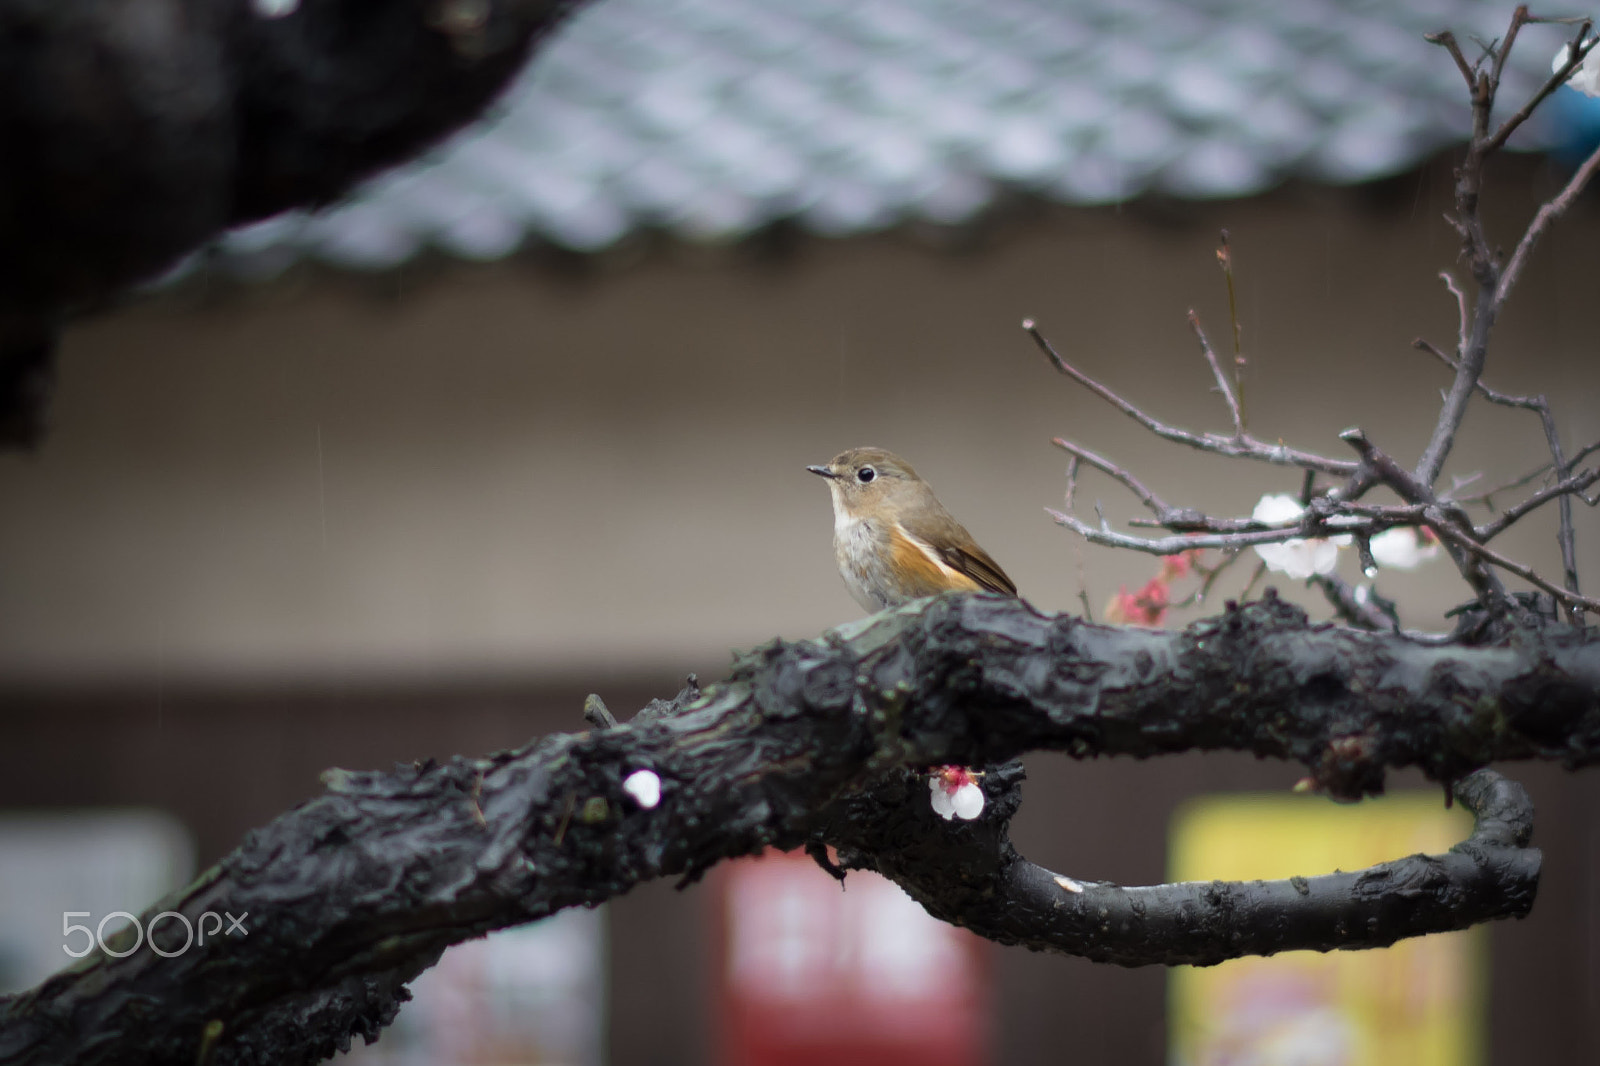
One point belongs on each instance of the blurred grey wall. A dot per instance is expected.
(501, 472)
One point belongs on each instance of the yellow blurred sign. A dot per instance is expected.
(1418, 1003)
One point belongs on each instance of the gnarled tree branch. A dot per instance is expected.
(354, 893)
(1004, 897)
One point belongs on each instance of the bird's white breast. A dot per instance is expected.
(857, 549)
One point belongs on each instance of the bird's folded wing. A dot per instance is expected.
(970, 562)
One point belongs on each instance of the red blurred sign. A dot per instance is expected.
(810, 972)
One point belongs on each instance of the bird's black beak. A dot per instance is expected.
(822, 471)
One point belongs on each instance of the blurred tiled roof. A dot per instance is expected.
(713, 118)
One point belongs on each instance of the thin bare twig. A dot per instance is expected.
(1572, 599)
(1463, 315)
(1546, 215)
(1248, 448)
(1493, 283)
(1519, 18)
(1255, 579)
(1480, 255)
(1486, 497)
(1105, 466)
(1468, 369)
(1077, 547)
(1572, 486)
(1322, 515)
(1306, 528)
(1225, 258)
(1576, 52)
(1566, 538)
(1447, 41)
(1234, 407)
(1203, 590)
(1422, 344)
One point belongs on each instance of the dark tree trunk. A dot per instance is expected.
(132, 133)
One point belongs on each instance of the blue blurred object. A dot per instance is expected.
(1574, 125)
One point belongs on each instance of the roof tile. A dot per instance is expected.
(712, 118)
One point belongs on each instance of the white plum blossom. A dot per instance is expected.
(645, 788)
(1298, 558)
(955, 793)
(1586, 79)
(966, 802)
(1404, 547)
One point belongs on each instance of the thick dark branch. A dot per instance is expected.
(129, 149)
(352, 894)
(1002, 896)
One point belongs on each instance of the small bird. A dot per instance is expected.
(892, 538)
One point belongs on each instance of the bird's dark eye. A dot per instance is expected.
(866, 474)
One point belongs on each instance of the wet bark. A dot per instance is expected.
(822, 742)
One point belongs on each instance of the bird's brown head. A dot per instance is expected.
(866, 480)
